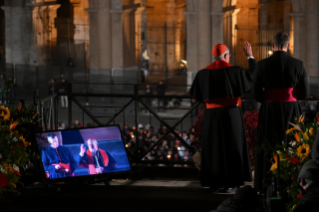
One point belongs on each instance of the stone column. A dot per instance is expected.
(297, 20)
(204, 40)
(94, 41)
(104, 35)
(8, 39)
(311, 38)
(191, 54)
(117, 39)
(217, 27)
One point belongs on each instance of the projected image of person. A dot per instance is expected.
(96, 160)
(57, 160)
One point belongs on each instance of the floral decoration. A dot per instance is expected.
(294, 156)
(251, 122)
(16, 123)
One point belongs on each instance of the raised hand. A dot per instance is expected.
(248, 51)
(82, 149)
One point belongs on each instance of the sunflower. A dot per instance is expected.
(303, 150)
(5, 113)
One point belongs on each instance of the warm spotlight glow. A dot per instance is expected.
(178, 148)
(126, 145)
(169, 156)
(270, 52)
(184, 61)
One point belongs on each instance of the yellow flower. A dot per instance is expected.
(290, 130)
(297, 137)
(303, 150)
(5, 113)
(23, 140)
(305, 136)
(273, 167)
(301, 118)
(311, 132)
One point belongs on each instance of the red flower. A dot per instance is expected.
(16, 172)
(299, 195)
(287, 155)
(3, 180)
(294, 161)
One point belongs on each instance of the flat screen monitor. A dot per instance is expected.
(82, 152)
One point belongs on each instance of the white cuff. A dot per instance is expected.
(81, 154)
(250, 57)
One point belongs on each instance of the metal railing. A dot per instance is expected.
(48, 110)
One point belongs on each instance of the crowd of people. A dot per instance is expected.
(170, 149)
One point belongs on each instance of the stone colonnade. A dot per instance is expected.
(26, 35)
(204, 19)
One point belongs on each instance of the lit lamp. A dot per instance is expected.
(270, 52)
(126, 145)
(169, 157)
(178, 148)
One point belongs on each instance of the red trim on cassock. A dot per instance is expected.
(219, 64)
(91, 161)
(280, 95)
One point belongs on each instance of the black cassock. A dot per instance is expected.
(279, 82)
(225, 156)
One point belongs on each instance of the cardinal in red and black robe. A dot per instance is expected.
(279, 82)
(225, 157)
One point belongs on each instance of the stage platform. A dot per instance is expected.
(158, 190)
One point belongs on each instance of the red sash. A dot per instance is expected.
(280, 95)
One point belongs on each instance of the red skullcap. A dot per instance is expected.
(218, 50)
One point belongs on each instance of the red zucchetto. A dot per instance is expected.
(219, 49)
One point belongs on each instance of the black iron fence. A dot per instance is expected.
(109, 104)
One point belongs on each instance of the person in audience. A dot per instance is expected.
(161, 92)
(95, 159)
(57, 160)
(63, 90)
(148, 100)
(308, 180)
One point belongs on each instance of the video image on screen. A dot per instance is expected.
(82, 152)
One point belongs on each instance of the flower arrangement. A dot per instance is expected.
(293, 157)
(251, 122)
(16, 123)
